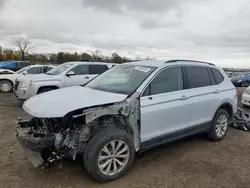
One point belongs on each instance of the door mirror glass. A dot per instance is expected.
(70, 73)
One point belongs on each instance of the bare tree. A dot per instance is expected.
(23, 46)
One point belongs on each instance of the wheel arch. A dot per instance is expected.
(6, 79)
(226, 106)
(48, 86)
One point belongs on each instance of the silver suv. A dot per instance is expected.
(130, 108)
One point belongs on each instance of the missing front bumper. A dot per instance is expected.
(38, 150)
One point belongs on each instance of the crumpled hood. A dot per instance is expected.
(58, 103)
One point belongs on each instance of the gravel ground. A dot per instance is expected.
(194, 162)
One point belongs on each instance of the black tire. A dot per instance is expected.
(212, 134)
(6, 86)
(46, 89)
(95, 146)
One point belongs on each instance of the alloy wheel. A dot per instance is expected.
(113, 157)
(221, 125)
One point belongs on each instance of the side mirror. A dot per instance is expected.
(24, 73)
(70, 73)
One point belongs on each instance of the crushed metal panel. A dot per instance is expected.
(34, 157)
(241, 120)
(134, 117)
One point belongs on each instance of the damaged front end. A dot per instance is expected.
(47, 140)
(38, 141)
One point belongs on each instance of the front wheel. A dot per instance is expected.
(109, 154)
(219, 126)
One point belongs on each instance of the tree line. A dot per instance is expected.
(23, 47)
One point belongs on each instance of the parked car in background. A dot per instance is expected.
(14, 65)
(6, 71)
(129, 108)
(64, 75)
(241, 80)
(8, 77)
(245, 100)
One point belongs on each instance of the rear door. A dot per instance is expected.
(164, 108)
(203, 95)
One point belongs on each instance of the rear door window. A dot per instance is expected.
(46, 69)
(217, 75)
(34, 70)
(97, 69)
(81, 70)
(196, 77)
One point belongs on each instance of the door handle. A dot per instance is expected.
(86, 77)
(183, 97)
(216, 91)
(150, 98)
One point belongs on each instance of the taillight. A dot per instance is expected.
(236, 93)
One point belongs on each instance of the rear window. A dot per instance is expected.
(211, 76)
(196, 77)
(24, 63)
(217, 75)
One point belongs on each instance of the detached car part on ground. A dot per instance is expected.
(126, 110)
(241, 120)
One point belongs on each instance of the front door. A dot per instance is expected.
(164, 108)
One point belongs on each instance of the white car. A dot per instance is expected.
(130, 108)
(64, 75)
(245, 100)
(8, 77)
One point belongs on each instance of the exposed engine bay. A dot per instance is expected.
(46, 140)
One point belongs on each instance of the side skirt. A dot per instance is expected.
(170, 137)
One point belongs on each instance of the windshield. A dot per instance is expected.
(123, 79)
(22, 70)
(59, 69)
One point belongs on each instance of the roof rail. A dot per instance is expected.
(194, 61)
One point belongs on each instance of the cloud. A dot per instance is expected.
(2, 3)
(215, 30)
(149, 6)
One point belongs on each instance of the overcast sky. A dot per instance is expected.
(210, 30)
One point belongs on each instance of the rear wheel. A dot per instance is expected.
(6, 86)
(219, 125)
(109, 155)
